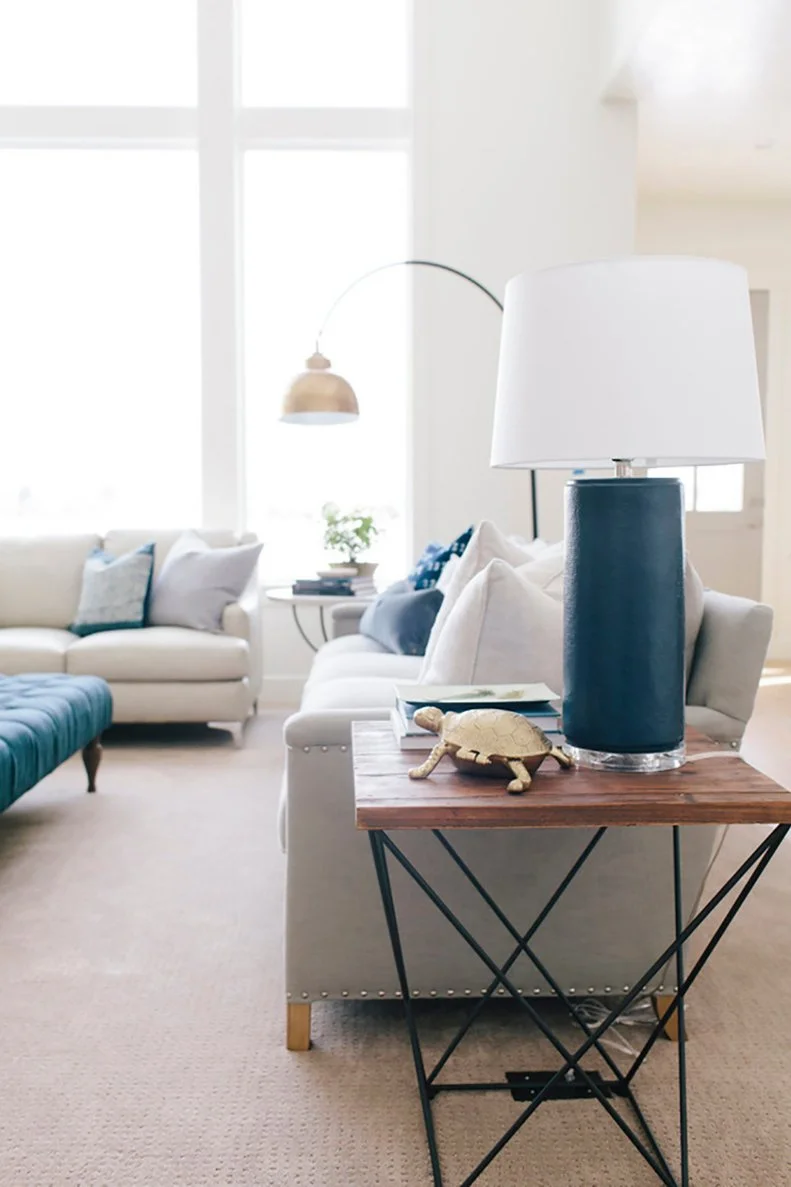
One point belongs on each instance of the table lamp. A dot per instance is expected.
(639, 362)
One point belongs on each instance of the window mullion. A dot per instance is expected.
(220, 254)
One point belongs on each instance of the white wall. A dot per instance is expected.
(518, 164)
(757, 236)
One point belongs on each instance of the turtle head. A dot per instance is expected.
(429, 718)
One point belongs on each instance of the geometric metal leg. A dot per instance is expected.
(572, 1080)
(680, 1008)
(298, 624)
(380, 862)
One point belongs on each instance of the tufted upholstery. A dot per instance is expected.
(43, 721)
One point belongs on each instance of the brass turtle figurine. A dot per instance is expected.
(488, 738)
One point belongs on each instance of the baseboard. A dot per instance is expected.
(282, 691)
(779, 650)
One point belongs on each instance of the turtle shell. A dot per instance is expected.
(497, 732)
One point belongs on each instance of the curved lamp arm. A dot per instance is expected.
(403, 264)
(321, 396)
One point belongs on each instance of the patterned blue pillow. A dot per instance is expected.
(115, 591)
(428, 569)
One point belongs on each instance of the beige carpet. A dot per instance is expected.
(141, 1008)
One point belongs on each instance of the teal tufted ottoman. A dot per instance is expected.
(43, 721)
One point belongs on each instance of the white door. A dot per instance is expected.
(725, 504)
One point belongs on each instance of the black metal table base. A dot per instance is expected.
(306, 637)
(571, 1080)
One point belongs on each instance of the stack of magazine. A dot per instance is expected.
(536, 702)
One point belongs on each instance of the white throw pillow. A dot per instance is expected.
(448, 570)
(487, 544)
(502, 628)
(547, 570)
(693, 614)
(197, 582)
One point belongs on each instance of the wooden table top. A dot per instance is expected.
(719, 790)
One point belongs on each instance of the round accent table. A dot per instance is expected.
(320, 601)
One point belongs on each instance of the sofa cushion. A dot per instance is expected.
(33, 649)
(198, 581)
(350, 692)
(394, 667)
(487, 544)
(503, 628)
(159, 653)
(115, 591)
(401, 618)
(41, 578)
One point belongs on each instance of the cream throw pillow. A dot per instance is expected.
(546, 571)
(487, 544)
(502, 628)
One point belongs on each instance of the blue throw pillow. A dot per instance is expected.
(115, 591)
(429, 568)
(401, 618)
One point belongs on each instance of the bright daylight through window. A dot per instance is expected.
(110, 206)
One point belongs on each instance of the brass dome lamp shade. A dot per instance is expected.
(317, 396)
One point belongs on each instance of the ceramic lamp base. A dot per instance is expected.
(624, 624)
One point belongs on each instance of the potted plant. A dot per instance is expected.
(349, 535)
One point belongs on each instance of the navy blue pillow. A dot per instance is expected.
(401, 618)
(429, 568)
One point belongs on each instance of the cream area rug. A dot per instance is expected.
(142, 1014)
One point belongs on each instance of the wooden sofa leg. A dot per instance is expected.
(298, 1026)
(663, 1002)
(92, 756)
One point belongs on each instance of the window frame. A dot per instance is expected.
(221, 131)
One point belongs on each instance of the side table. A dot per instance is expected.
(716, 790)
(297, 601)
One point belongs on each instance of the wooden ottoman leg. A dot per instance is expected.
(663, 1002)
(298, 1026)
(92, 756)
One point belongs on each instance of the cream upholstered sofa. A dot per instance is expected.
(601, 936)
(156, 674)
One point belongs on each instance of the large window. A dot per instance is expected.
(99, 364)
(184, 187)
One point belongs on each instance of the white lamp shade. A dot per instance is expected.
(650, 358)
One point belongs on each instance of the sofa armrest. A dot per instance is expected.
(346, 620)
(328, 727)
(729, 657)
(242, 619)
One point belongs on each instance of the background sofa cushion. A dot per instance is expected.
(159, 654)
(351, 692)
(115, 591)
(502, 628)
(41, 578)
(401, 618)
(198, 581)
(33, 649)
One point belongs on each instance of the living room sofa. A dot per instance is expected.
(156, 674)
(601, 935)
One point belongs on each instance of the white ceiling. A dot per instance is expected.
(713, 82)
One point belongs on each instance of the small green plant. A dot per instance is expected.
(348, 534)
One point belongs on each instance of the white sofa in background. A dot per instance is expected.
(156, 674)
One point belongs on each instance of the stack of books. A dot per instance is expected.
(342, 586)
(533, 701)
(339, 587)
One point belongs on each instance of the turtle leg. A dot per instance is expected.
(522, 780)
(561, 756)
(467, 755)
(425, 769)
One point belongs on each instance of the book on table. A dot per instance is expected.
(531, 701)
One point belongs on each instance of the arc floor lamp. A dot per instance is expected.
(320, 396)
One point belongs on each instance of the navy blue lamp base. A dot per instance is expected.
(624, 623)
